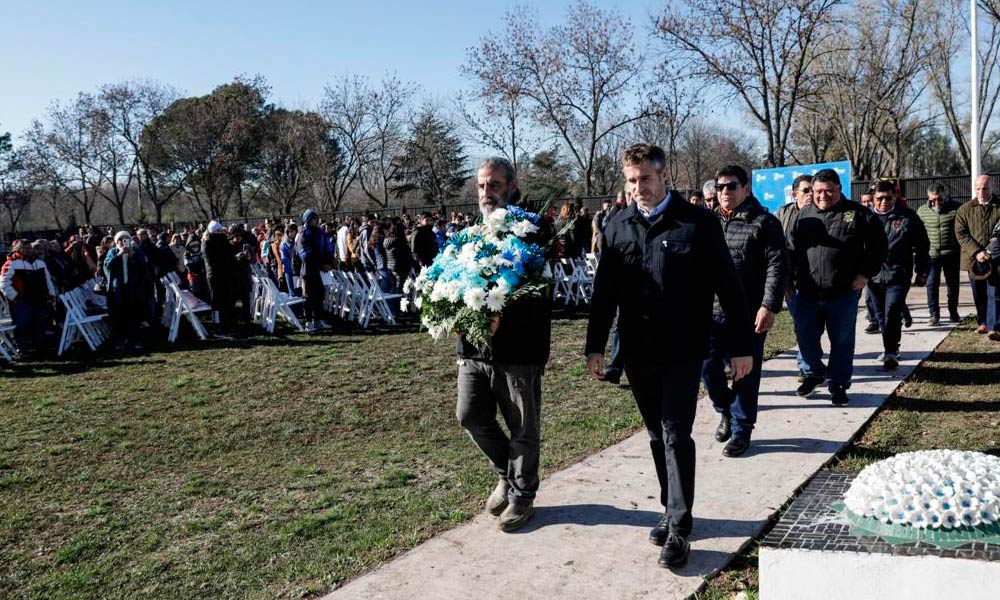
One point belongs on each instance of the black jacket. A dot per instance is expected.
(220, 269)
(757, 245)
(522, 338)
(829, 248)
(662, 277)
(908, 247)
(424, 246)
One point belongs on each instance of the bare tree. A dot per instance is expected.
(577, 76)
(501, 122)
(949, 18)
(869, 81)
(371, 123)
(15, 184)
(671, 112)
(71, 138)
(759, 50)
(128, 108)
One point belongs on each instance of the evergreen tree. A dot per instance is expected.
(433, 162)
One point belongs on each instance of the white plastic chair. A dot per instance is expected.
(94, 329)
(185, 304)
(8, 349)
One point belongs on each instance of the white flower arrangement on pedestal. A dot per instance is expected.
(937, 489)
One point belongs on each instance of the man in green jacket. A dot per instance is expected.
(974, 223)
(938, 217)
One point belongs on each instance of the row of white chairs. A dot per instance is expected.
(573, 279)
(356, 296)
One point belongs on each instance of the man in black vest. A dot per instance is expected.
(663, 262)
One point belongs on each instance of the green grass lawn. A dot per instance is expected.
(271, 467)
(951, 401)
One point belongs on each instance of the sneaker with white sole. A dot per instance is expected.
(889, 361)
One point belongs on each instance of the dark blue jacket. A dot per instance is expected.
(908, 247)
(662, 278)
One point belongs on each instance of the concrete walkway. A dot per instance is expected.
(588, 536)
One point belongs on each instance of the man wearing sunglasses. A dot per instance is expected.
(835, 247)
(757, 246)
(801, 196)
(908, 252)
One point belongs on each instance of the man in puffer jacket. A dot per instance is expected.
(756, 243)
(938, 216)
(26, 284)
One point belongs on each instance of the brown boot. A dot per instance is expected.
(516, 515)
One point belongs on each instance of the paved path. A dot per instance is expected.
(588, 537)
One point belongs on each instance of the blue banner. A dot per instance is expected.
(773, 187)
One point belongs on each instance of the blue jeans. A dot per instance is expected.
(889, 301)
(948, 264)
(987, 301)
(793, 303)
(740, 401)
(616, 362)
(29, 325)
(871, 315)
(839, 316)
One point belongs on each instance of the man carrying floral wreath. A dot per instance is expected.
(505, 372)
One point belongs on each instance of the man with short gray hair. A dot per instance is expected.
(506, 374)
(710, 195)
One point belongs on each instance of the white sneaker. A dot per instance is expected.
(311, 327)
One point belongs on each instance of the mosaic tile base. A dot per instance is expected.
(812, 524)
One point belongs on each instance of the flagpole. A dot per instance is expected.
(974, 151)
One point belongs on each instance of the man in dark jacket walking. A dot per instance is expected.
(907, 253)
(506, 375)
(974, 223)
(663, 263)
(757, 246)
(938, 216)
(835, 247)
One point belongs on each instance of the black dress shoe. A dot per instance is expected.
(809, 385)
(658, 534)
(736, 446)
(675, 552)
(955, 319)
(907, 321)
(838, 395)
(872, 329)
(725, 429)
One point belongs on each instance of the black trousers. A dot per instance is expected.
(666, 392)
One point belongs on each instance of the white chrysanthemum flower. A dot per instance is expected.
(474, 298)
(449, 251)
(404, 304)
(454, 291)
(439, 292)
(496, 299)
(407, 286)
(523, 228)
(418, 301)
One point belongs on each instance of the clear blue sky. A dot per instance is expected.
(53, 49)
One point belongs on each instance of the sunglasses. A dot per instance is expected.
(806, 190)
(731, 186)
